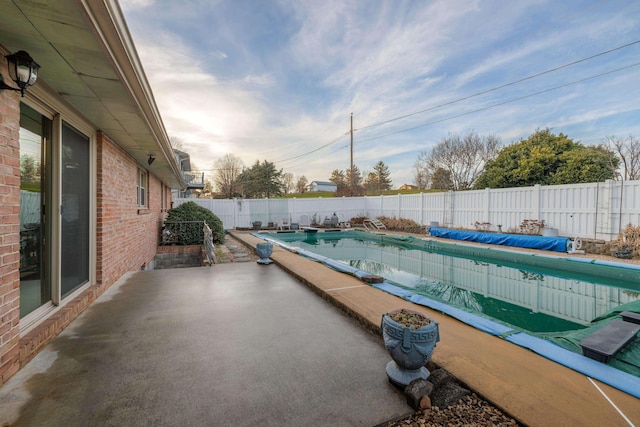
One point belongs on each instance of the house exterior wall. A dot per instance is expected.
(322, 186)
(126, 236)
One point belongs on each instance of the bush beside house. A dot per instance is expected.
(191, 211)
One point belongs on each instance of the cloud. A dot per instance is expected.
(278, 80)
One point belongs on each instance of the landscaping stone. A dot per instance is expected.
(448, 394)
(425, 402)
(416, 391)
(439, 376)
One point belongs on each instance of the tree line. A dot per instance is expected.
(457, 162)
(263, 179)
(475, 161)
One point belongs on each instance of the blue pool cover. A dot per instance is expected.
(557, 244)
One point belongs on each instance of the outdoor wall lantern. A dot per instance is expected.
(152, 158)
(23, 70)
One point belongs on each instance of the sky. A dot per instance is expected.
(278, 80)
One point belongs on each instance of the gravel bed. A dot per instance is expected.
(469, 411)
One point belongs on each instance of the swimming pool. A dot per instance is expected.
(504, 292)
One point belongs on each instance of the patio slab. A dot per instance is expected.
(233, 344)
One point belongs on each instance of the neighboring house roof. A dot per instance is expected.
(88, 58)
(408, 187)
(332, 184)
(184, 160)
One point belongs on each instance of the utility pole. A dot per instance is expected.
(351, 170)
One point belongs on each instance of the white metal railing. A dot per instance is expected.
(593, 210)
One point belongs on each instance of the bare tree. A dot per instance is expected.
(421, 172)
(227, 175)
(301, 184)
(464, 157)
(176, 143)
(287, 181)
(628, 151)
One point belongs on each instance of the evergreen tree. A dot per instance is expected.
(545, 158)
(354, 181)
(383, 176)
(441, 180)
(262, 180)
(339, 179)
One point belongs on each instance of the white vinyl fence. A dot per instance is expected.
(593, 210)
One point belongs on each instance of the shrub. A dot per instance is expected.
(192, 234)
(401, 224)
(531, 226)
(357, 220)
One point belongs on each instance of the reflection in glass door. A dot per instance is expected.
(75, 203)
(35, 178)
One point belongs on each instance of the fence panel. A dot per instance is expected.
(569, 208)
(433, 207)
(509, 206)
(631, 203)
(596, 210)
(469, 207)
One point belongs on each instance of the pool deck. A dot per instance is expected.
(532, 389)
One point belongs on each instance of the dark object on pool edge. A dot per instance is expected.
(623, 253)
(630, 316)
(310, 229)
(604, 343)
(372, 279)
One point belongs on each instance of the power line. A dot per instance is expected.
(502, 86)
(313, 151)
(502, 103)
(473, 96)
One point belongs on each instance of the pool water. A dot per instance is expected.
(533, 297)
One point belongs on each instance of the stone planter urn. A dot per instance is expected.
(257, 225)
(264, 251)
(410, 338)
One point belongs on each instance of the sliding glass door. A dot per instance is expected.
(75, 210)
(35, 209)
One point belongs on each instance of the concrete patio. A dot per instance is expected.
(236, 344)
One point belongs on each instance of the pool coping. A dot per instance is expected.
(529, 387)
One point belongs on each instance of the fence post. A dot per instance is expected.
(535, 202)
(237, 207)
(268, 210)
(487, 204)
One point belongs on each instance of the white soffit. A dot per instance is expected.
(88, 58)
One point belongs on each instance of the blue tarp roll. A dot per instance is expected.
(557, 244)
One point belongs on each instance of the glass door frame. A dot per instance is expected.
(47, 103)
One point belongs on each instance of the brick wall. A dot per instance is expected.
(127, 236)
(9, 230)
